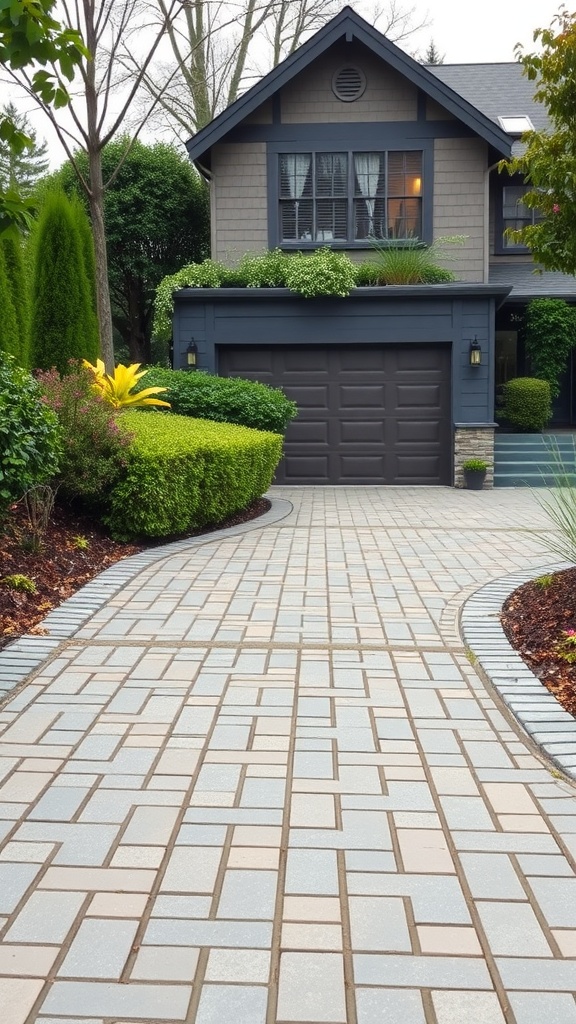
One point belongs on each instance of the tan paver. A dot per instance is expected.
(264, 782)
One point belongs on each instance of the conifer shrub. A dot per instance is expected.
(63, 325)
(9, 335)
(185, 473)
(14, 266)
(224, 399)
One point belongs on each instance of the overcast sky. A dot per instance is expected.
(486, 30)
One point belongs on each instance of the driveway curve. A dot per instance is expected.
(265, 783)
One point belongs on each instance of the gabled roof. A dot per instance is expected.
(498, 90)
(526, 284)
(349, 26)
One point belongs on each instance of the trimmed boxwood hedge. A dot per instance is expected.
(184, 473)
(224, 399)
(527, 403)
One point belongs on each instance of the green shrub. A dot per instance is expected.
(63, 324)
(94, 440)
(323, 272)
(550, 337)
(475, 465)
(526, 403)
(186, 473)
(413, 262)
(9, 334)
(14, 265)
(224, 399)
(265, 270)
(30, 446)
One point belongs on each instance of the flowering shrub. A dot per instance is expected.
(566, 647)
(29, 434)
(94, 441)
(322, 273)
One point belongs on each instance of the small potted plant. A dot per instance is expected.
(474, 473)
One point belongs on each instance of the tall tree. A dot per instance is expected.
(432, 54)
(9, 337)
(63, 325)
(22, 170)
(548, 163)
(157, 220)
(112, 29)
(214, 46)
(29, 37)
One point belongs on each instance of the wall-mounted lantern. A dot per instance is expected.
(475, 354)
(191, 355)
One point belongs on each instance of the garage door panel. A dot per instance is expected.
(361, 396)
(368, 414)
(428, 431)
(361, 431)
(308, 431)
(426, 396)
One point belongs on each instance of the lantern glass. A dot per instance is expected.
(191, 355)
(475, 353)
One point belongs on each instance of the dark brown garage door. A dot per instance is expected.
(367, 414)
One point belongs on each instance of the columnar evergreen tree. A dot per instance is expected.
(21, 170)
(88, 255)
(9, 340)
(11, 248)
(62, 314)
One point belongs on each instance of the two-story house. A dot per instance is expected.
(347, 138)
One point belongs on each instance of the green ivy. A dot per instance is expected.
(550, 337)
(184, 473)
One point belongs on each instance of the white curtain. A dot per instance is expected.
(367, 167)
(296, 168)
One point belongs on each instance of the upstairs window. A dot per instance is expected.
(515, 214)
(350, 197)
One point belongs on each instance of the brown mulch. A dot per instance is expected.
(535, 618)
(65, 562)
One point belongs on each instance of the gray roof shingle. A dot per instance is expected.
(498, 90)
(528, 285)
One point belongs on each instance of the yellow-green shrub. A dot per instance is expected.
(184, 473)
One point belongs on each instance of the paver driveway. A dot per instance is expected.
(264, 783)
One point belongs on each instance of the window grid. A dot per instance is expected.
(515, 214)
(325, 212)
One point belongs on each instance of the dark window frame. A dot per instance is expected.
(500, 248)
(356, 145)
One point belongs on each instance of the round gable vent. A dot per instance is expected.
(348, 84)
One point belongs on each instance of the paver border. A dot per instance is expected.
(24, 656)
(551, 728)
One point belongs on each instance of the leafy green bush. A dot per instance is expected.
(30, 445)
(224, 399)
(550, 337)
(265, 270)
(185, 473)
(14, 265)
(9, 335)
(413, 262)
(95, 441)
(475, 465)
(323, 272)
(526, 403)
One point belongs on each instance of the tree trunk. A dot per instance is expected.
(103, 304)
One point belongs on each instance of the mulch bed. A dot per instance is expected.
(74, 550)
(535, 619)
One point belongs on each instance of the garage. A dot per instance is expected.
(368, 414)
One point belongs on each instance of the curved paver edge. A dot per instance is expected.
(25, 655)
(547, 723)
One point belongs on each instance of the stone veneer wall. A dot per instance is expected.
(473, 443)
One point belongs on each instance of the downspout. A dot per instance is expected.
(486, 270)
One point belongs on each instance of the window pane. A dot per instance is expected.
(331, 220)
(405, 174)
(331, 174)
(295, 175)
(296, 220)
(512, 205)
(369, 174)
(404, 218)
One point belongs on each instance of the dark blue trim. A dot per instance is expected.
(362, 143)
(277, 108)
(352, 132)
(421, 105)
(347, 22)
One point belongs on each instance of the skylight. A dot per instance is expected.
(516, 125)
